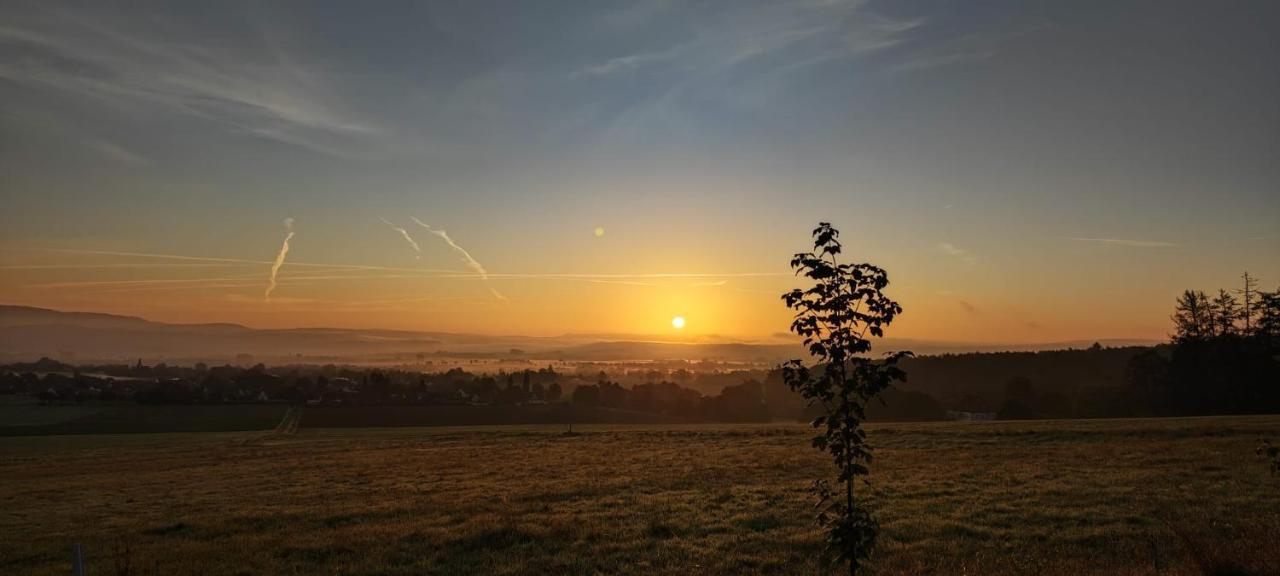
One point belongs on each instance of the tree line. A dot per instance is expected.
(1224, 357)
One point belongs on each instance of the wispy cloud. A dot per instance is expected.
(405, 233)
(118, 153)
(812, 32)
(749, 60)
(972, 47)
(462, 252)
(952, 250)
(275, 266)
(102, 57)
(630, 62)
(624, 282)
(1131, 243)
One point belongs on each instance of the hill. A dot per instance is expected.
(27, 333)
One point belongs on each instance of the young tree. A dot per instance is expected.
(835, 317)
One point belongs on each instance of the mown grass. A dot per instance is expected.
(1177, 496)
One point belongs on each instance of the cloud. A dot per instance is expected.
(749, 60)
(275, 266)
(1129, 242)
(973, 47)
(462, 252)
(951, 250)
(407, 237)
(118, 153)
(801, 33)
(247, 87)
(629, 63)
(624, 282)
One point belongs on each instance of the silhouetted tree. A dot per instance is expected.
(834, 317)
(1248, 291)
(1266, 310)
(739, 403)
(1215, 366)
(588, 394)
(1225, 310)
(1193, 317)
(1019, 396)
(1147, 377)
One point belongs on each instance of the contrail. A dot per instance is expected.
(1129, 243)
(407, 237)
(466, 256)
(275, 266)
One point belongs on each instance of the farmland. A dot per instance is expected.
(1159, 496)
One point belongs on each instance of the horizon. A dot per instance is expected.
(1026, 173)
(780, 339)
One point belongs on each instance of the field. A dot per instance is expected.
(30, 419)
(130, 418)
(1171, 496)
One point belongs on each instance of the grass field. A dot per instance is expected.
(130, 418)
(30, 419)
(1050, 497)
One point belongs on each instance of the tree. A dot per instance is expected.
(588, 394)
(1019, 396)
(1224, 311)
(1267, 310)
(1247, 291)
(834, 317)
(1192, 318)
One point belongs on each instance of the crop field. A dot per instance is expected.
(1163, 496)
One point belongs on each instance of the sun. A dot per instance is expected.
(677, 322)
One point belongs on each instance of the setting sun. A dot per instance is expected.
(677, 322)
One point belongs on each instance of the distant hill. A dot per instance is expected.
(27, 333)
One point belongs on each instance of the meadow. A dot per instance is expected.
(1158, 496)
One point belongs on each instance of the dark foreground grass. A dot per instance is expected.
(1184, 496)
(130, 418)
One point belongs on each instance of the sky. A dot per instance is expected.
(1026, 171)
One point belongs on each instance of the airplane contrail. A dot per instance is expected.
(466, 256)
(275, 266)
(417, 251)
